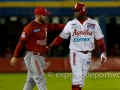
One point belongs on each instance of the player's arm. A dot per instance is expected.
(100, 41)
(102, 48)
(18, 48)
(56, 41)
(24, 38)
(52, 27)
(102, 45)
(15, 55)
(63, 35)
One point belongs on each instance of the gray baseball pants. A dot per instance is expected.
(35, 75)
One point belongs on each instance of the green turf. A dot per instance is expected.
(62, 81)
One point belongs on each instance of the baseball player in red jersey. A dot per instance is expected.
(82, 31)
(34, 37)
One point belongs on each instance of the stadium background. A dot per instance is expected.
(15, 14)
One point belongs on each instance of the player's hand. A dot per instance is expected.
(13, 61)
(103, 57)
(47, 48)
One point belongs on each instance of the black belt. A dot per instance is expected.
(85, 52)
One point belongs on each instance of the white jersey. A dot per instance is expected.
(82, 35)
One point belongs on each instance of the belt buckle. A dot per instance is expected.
(35, 53)
(38, 54)
(86, 52)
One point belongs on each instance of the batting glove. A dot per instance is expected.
(103, 57)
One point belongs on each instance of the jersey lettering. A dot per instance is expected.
(42, 42)
(81, 39)
(74, 58)
(78, 33)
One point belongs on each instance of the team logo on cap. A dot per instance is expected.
(75, 5)
(46, 10)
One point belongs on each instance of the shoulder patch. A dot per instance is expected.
(23, 35)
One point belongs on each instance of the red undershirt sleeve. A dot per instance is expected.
(18, 48)
(101, 45)
(57, 41)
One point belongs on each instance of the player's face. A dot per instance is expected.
(42, 18)
(78, 15)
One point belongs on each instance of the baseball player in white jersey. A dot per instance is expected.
(82, 31)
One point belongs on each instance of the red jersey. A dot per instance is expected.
(34, 36)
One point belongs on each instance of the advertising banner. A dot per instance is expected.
(61, 64)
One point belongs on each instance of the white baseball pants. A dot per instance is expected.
(80, 64)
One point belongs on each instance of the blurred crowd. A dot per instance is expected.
(11, 28)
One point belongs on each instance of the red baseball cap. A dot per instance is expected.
(41, 10)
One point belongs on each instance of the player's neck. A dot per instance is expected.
(82, 20)
(37, 21)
